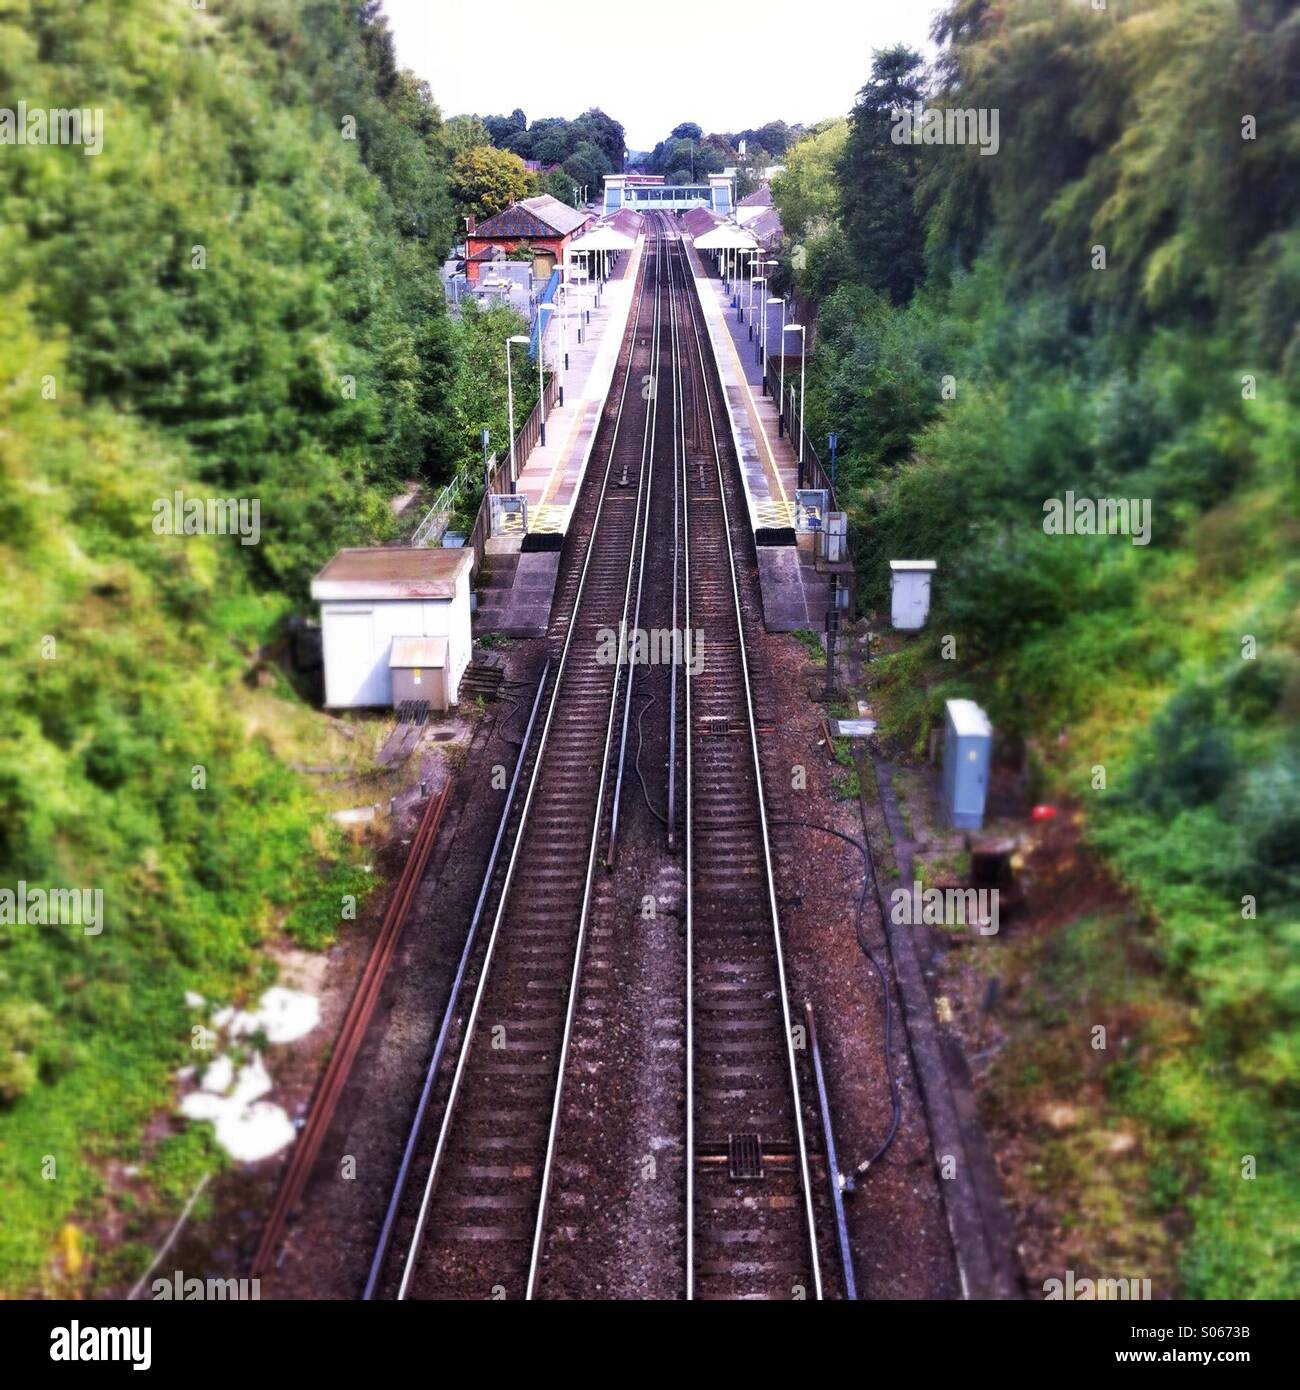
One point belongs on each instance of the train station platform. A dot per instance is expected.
(524, 566)
(795, 595)
(553, 472)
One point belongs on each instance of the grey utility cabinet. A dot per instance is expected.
(968, 740)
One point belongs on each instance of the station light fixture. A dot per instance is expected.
(541, 369)
(767, 309)
(510, 401)
(803, 380)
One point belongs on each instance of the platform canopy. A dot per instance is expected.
(727, 237)
(603, 237)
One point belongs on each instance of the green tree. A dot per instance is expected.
(807, 191)
(586, 166)
(485, 181)
(606, 134)
(560, 185)
(881, 225)
(461, 133)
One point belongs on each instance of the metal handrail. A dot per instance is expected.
(812, 472)
(498, 479)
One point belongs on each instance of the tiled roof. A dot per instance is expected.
(542, 216)
(766, 226)
(514, 221)
(557, 214)
(697, 221)
(625, 220)
(761, 197)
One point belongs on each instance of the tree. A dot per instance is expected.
(881, 225)
(807, 193)
(607, 134)
(586, 165)
(560, 185)
(499, 129)
(460, 133)
(485, 180)
(774, 137)
(552, 140)
(688, 130)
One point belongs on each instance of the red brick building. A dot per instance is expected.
(544, 225)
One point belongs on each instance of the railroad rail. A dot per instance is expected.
(478, 1225)
(744, 1111)
(351, 1033)
(653, 542)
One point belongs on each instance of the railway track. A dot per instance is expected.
(476, 1228)
(751, 1230)
(652, 545)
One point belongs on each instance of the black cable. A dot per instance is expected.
(636, 764)
(869, 879)
(502, 721)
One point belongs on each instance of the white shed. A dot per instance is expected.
(374, 597)
(909, 587)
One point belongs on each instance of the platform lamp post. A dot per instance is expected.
(765, 265)
(803, 378)
(780, 409)
(579, 279)
(752, 267)
(755, 265)
(562, 356)
(758, 303)
(541, 370)
(767, 309)
(563, 291)
(510, 403)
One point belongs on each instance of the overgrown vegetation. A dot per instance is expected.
(1106, 306)
(237, 298)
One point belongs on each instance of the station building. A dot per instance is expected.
(544, 225)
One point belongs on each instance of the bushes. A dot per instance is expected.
(1021, 367)
(132, 760)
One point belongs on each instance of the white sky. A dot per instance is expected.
(652, 66)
